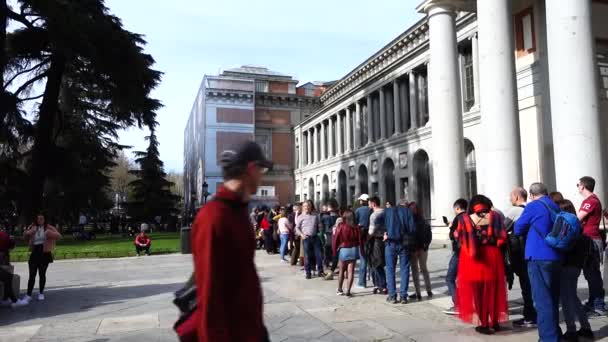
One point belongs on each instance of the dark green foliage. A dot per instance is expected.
(152, 195)
(90, 78)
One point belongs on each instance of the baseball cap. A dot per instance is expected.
(364, 197)
(243, 153)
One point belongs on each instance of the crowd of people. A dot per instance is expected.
(542, 239)
(489, 249)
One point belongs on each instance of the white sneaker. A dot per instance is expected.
(28, 298)
(5, 303)
(40, 296)
(20, 302)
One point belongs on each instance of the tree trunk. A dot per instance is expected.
(40, 164)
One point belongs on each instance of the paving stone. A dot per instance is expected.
(123, 324)
(19, 333)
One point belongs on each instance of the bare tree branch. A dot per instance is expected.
(30, 82)
(45, 61)
(20, 18)
(30, 98)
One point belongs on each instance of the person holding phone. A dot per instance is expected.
(41, 238)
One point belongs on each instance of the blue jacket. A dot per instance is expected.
(362, 216)
(398, 221)
(535, 218)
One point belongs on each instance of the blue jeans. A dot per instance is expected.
(591, 271)
(571, 305)
(450, 277)
(545, 281)
(362, 269)
(379, 277)
(284, 240)
(312, 253)
(392, 251)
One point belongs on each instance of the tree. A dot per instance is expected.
(121, 177)
(152, 196)
(91, 69)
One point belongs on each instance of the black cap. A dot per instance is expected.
(243, 153)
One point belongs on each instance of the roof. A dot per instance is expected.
(255, 70)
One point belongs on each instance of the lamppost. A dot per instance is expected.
(205, 192)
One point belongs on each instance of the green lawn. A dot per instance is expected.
(104, 246)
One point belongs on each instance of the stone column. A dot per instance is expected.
(396, 106)
(331, 135)
(316, 143)
(339, 133)
(574, 96)
(301, 163)
(475, 55)
(413, 100)
(383, 127)
(370, 117)
(323, 140)
(349, 121)
(309, 154)
(500, 113)
(444, 85)
(357, 128)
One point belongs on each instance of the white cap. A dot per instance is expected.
(364, 197)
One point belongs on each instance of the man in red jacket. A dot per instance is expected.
(229, 294)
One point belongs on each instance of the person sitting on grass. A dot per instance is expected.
(142, 241)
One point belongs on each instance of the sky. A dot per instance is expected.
(311, 40)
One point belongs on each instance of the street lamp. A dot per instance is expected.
(205, 191)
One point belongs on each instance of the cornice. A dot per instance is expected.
(404, 44)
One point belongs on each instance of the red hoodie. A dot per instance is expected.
(229, 295)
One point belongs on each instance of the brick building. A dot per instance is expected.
(246, 103)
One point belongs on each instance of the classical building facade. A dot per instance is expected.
(477, 97)
(246, 103)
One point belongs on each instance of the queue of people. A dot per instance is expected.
(489, 249)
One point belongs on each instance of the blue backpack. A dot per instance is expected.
(565, 232)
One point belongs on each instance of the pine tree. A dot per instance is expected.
(151, 191)
(81, 53)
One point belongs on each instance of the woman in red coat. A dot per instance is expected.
(481, 283)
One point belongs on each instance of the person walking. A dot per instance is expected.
(307, 226)
(544, 262)
(375, 246)
(516, 247)
(362, 215)
(399, 242)
(571, 270)
(590, 215)
(460, 208)
(41, 238)
(229, 303)
(347, 245)
(284, 230)
(420, 255)
(482, 292)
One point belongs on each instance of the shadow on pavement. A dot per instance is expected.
(69, 300)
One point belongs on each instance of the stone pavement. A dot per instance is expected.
(129, 299)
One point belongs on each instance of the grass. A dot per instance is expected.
(104, 246)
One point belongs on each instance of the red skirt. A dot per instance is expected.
(481, 287)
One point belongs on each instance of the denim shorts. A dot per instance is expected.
(348, 254)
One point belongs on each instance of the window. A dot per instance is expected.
(291, 88)
(261, 86)
(525, 38)
(309, 91)
(264, 142)
(375, 189)
(469, 82)
(265, 191)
